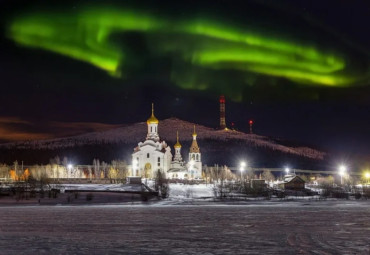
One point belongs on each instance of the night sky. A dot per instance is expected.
(299, 69)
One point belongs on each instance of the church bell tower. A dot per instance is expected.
(152, 123)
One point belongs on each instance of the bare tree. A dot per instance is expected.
(161, 184)
(89, 172)
(96, 166)
(268, 176)
(205, 174)
(4, 171)
(118, 171)
(222, 185)
(104, 170)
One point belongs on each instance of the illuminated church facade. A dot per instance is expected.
(153, 155)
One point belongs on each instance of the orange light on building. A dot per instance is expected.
(24, 177)
(13, 175)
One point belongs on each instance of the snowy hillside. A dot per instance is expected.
(134, 133)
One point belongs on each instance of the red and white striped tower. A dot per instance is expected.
(222, 112)
(250, 127)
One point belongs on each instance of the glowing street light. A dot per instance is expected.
(69, 172)
(367, 176)
(243, 165)
(287, 170)
(342, 172)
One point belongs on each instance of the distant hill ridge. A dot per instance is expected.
(134, 133)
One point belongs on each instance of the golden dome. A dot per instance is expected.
(194, 133)
(152, 119)
(177, 145)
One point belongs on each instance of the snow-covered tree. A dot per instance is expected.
(268, 176)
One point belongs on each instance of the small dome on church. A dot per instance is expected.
(152, 119)
(177, 145)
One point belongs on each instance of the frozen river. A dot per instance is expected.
(262, 228)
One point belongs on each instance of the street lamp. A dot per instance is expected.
(287, 170)
(70, 167)
(367, 177)
(342, 172)
(242, 168)
(243, 164)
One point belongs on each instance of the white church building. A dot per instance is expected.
(153, 155)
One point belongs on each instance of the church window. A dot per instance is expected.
(192, 157)
(151, 129)
(197, 157)
(147, 155)
(159, 161)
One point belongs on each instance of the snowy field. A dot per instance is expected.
(331, 227)
(179, 191)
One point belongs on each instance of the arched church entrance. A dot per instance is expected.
(148, 170)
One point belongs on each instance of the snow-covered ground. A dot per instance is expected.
(263, 228)
(181, 191)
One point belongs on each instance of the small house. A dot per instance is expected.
(292, 182)
(258, 184)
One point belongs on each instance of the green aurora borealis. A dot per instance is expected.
(199, 43)
(299, 69)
